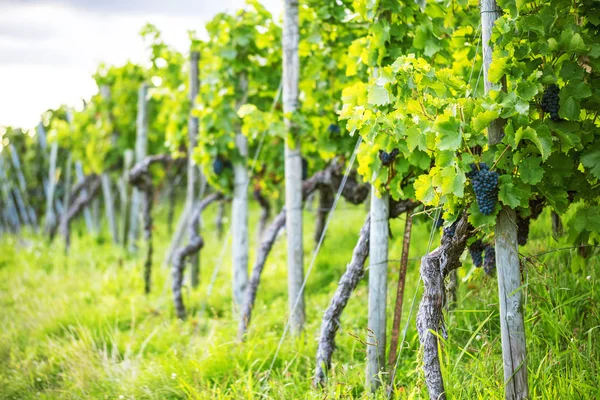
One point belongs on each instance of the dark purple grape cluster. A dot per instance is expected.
(333, 129)
(221, 164)
(388, 158)
(550, 102)
(476, 251)
(489, 259)
(304, 169)
(439, 222)
(522, 230)
(450, 230)
(485, 184)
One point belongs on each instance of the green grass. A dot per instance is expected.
(82, 328)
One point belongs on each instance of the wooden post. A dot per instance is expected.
(378, 265)
(109, 208)
(239, 213)
(141, 147)
(192, 169)
(293, 168)
(12, 213)
(87, 216)
(50, 219)
(124, 194)
(512, 325)
(23, 186)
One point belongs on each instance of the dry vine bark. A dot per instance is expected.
(194, 245)
(330, 178)
(325, 204)
(139, 176)
(265, 212)
(435, 267)
(347, 284)
(82, 194)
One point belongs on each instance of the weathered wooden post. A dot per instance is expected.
(293, 168)
(109, 209)
(239, 212)
(378, 265)
(510, 294)
(193, 173)
(87, 216)
(141, 148)
(23, 186)
(124, 194)
(51, 218)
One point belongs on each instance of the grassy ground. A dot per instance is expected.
(81, 327)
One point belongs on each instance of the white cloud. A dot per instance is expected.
(50, 48)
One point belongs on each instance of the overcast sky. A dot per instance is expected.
(50, 48)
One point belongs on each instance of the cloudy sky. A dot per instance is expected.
(50, 48)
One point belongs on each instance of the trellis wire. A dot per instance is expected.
(316, 252)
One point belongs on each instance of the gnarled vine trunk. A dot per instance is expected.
(435, 266)
(139, 176)
(331, 177)
(194, 245)
(348, 282)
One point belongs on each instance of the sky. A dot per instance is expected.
(49, 49)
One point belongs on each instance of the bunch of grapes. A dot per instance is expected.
(388, 158)
(439, 222)
(450, 230)
(485, 184)
(476, 251)
(304, 169)
(333, 129)
(550, 102)
(221, 164)
(489, 259)
(522, 230)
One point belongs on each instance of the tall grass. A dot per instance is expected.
(81, 327)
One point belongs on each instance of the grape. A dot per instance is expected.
(550, 102)
(450, 230)
(388, 158)
(220, 164)
(438, 222)
(485, 184)
(489, 259)
(304, 169)
(333, 128)
(522, 230)
(476, 251)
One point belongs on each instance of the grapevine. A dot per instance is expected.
(485, 184)
(476, 250)
(489, 259)
(550, 102)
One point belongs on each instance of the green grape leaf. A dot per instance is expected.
(424, 189)
(449, 132)
(498, 69)
(378, 95)
(453, 181)
(530, 170)
(591, 159)
(512, 193)
(541, 138)
(482, 120)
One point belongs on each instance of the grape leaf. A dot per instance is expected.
(378, 95)
(449, 132)
(453, 181)
(512, 193)
(530, 170)
(591, 159)
(541, 138)
(424, 189)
